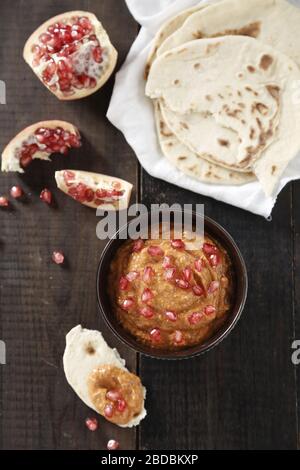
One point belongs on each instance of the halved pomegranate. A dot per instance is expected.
(71, 54)
(95, 190)
(39, 141)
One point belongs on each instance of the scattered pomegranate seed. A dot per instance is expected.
(178, 337)
(132, 276)
(171, 316)
(214, 260)
(198, 290)
(196, 318)
(155, 335)
(209, 249)
(58, 257)
(214, 286)
(4, 201)
(108, 411)
(113, 395)
(91, 424)
(147, 295)
(178, 244)
(187, 274)
(199, 265)
(16, 192)
(138, 245)
(113, 445)
(155, 251)
(25, 160)
(170, 274)
(128, 304)
(148, 274)
(46, 196)
(182, 284)
(124, 283)
(210, 310)
(147, 312)
(168, 262)
(121, 405)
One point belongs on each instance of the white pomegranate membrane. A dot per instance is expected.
(70, 55)
(110, 193)
(47, 141)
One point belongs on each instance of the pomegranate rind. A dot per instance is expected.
(11, 163)
(97, 181)
(103, 39)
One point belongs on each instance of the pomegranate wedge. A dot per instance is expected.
(95, 190)
(39, 141)
(71, 54)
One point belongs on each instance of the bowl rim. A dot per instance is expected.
(194, 351)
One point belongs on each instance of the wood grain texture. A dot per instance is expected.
(40, 301)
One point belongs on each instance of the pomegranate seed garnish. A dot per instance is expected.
(214, 260)
(46, 196)
(155, 335)
(58, 257)
(108, 411)
(148, 274)
(199, 265)
(178, 244)
(187, 274)
(89, 195)
(25, 160)
(132, 276)
(182, 284)
(196, 318)
(214, 286)
(171, 316)
(155, 251)
(138, 245)
(147, 295)
(101, 193)
(16, 192)
(121, 405)
(4, 201)
(210, 249)
(147, 312)
(123, 283)
(113, 395)
(91, 424)
(209, 310)
(178, 337)
(128, 304)
(170, 274)
(198, 290)
(113, 445)
(168, 262)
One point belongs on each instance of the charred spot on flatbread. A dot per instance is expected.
(251, 69)
(266, 61)
(197, 66)
(252, 29)
(274, 91)
(224, 142)
(261, 108)
(274, 169)
(90, 349)
(164, 130)
(184, 125)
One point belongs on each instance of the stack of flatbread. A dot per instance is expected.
(224, 78)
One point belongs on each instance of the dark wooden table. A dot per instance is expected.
(242, 395)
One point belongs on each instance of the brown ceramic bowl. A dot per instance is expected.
(218, 233)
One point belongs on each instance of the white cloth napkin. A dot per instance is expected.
(132, 113)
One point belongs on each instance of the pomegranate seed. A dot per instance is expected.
(148, 274)
(121, 405)
(168, 262)
(170, 274)
(4, 201)
(155, 251)
(58, 257)
(209, 249)
(128, 304)
(178, 244)
(16, 192)
(124, 283)
(108, 411)
(46, 196)
(178, 337)
(210, 310)
(195, 318)
(198, 290)
(101, 193)
(199, 265)
(132, 276)
(147, 312)
(155, 335)
(147, 295)
(91, 424)
(113, 395)
(25, 160)
(69, 177)
(89, 195)
(113, 445)
(214, 286)
(138, 245)
(182, 284)
(187, 274)
(171, 316)
(214, 260)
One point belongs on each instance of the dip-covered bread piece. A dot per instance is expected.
(99, 377)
